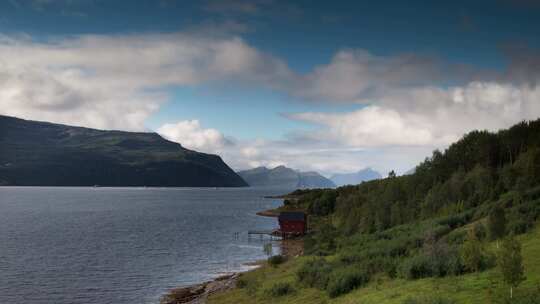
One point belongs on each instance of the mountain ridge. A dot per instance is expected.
(36, 153)
(364, 175)
(282, 176)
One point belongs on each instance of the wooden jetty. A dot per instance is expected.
(261, 233)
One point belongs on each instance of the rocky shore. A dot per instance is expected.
(199, 293)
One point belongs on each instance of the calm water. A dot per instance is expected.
(123, 245)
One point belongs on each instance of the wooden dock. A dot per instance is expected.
(261, 233)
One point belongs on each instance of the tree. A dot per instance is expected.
(497, 224)
(472, 252)
(392, 174)
(511, 263)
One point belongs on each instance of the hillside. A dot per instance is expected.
(439, 235)
(284, 177)
(364, 175)
(45, 154)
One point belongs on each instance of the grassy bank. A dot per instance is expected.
(483, 287)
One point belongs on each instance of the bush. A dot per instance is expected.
(480, 231)
(323, 242)
(344, 280)
(314, 273)
(242, 283)
(276, 260)
(416, 267)
(519, 226)
(249, 285)
(385, 264)
(457, 237)
(438, 261)
(280, 289)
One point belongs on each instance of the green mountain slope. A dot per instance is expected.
(434, 236)
(46, 154)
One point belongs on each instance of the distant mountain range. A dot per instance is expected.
(366, 174)
(285, 177)
(45, 154)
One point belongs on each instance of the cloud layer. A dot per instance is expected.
(117, 82)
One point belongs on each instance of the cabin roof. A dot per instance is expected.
(292, 216)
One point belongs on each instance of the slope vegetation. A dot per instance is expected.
(435, 236)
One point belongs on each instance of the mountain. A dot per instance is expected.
(363, 175)
(44, 154)
(285, 177)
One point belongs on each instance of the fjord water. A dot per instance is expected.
(123, 245)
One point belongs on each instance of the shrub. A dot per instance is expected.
(276, 260)
(241, 283)
(416, 267)
(344, 280)
(323, 242)
(314, 273)
(519, 226)
(385, 264)
(250, 286)
(280, 289)
(480, 231)
(457, 237)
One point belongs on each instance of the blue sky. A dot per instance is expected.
(351, 84)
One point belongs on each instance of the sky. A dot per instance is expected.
(330, 86)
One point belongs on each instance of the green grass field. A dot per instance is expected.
(484, 287)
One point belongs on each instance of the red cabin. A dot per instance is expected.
(292, 223)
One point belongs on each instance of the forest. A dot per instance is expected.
(462, 212)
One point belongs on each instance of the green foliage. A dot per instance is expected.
(416, 267)
(429, 300)
(250, 286)
(510, 262)
(472, 252)
(488, 182)
(280, 289)
(344, 280)
(276, 260)
(314, 273)
(325, 204)
(323, 242)
(497, 223)
(480, 231)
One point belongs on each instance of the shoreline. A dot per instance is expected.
(199, 293)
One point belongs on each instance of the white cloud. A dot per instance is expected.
(119, 81)
(371, 126)
(191, 135)
(428, 116)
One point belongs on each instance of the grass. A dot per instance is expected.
(470, 288)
